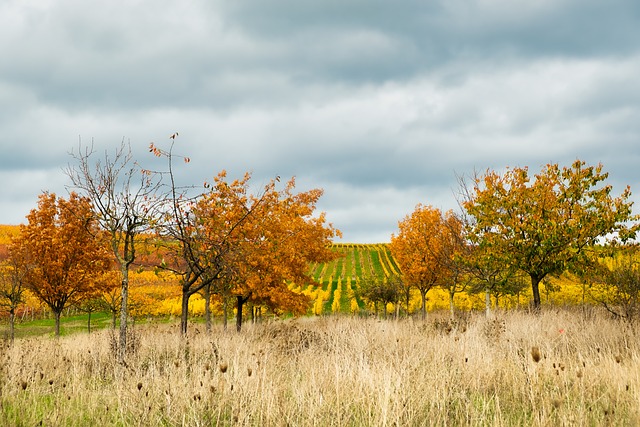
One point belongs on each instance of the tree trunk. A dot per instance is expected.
(423, 295)
(207, 308)
(535, 288)
(12, 324)
(114, 317)
(584, 294)
(184, 311)
(408, 299)
(241, 302)
(57, 317)
(487, 301)
(452, 307)
(124, 315)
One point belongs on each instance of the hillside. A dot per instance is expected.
(340, 279)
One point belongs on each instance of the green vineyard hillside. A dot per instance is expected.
(340, 279)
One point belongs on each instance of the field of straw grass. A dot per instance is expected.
(551, 369)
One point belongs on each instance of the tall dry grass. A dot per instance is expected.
(336, 371)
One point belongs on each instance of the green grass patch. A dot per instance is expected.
(73, 324)
(375, 261)
(68, 325)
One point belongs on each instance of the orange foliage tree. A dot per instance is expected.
(196, 251)
(63, 257)
(219, 216)
(453, 249)
(278, 241)
(13, 274)
(546, 225)
(424, 249)
(233, 243)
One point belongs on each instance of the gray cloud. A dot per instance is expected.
(380, 104)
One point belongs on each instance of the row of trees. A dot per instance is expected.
(224, 241)
(514, 225)
(220, 240)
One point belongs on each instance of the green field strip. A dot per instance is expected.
(365, 263)
(367, 270)
(351, 265)
(317, 271)
(329, 272)
(326, 308)
(345, 299)
(339, 267)
(322, 268)
(375, 262)
(392, 260)
(359, 301)
(356, 262)
(346, 265)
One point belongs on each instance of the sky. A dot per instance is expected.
(382, 104)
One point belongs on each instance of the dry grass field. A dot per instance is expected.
(552, 369)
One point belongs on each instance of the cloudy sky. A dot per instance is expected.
(380, 103)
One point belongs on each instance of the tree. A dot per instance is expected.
(111, 295)
(618, 281)
(107, 296)
(422, 250)
(452, 250)
(381, 290)
(221, 216)
(123, 196)
(488, 274)
(199, 243)
(13, 274)
(240, 245)
(280, 239)
(546, 225)
(60, 248)
(89, 306)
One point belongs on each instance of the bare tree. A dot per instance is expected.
(124, 199)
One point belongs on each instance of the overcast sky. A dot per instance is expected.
(380, 103)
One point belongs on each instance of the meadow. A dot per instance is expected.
(558, 367)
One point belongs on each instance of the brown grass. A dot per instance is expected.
(335, 371)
